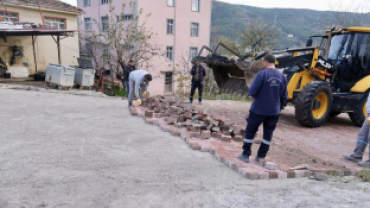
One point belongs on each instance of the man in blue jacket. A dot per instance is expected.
(269, 90)
(198, 72)
(126, 73)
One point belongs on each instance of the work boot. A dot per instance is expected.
(353, 158)
(258, 159)
(365, 164)
(243, 158)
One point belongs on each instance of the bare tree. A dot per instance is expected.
(257, 36)
(348, 15)
(182, 72)
(117, 40)
(232, 44)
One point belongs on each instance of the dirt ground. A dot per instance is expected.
(320, 148)
(77, 149)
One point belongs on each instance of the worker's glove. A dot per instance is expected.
(138, 102)
(144, 94)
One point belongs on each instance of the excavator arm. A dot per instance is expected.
(235, 74)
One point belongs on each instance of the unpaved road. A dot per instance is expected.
(62, 150)
(320, 148)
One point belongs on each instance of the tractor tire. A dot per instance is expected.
(359, 114)
(313, 104)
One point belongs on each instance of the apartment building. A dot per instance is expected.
(181, 28)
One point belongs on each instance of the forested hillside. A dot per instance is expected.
(228, 19)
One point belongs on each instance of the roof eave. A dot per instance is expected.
(46, 9)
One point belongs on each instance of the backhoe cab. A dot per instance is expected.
(325, 80)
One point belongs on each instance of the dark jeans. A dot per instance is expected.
(127, 86)
(194, 86)
(269, 125)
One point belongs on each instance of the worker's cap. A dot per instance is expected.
(131, 60)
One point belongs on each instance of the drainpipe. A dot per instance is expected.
(210, 24)
(136, 14)
(42, 16)
(174, 35)
(82, 33)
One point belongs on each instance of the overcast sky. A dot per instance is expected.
(307, 4)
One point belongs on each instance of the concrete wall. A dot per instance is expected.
(157, 23)
(46, 48)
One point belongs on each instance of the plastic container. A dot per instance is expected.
(84, 77)
(85, 73)
(60, 75)
(18, 72)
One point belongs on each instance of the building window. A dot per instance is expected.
(9, 16)
(105, 49)
(55, 23)
(104, 1)
(170, 26)
(193, 52)
(169, 53)
(127, 47)
(87, 23)
(104, 24)
(168, 82)
(195, 5)
(128, 17)
(87, 3)
(194, 29)
(171, 3)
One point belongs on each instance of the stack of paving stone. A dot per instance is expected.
(199, 121)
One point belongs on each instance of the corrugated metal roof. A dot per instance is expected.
(50, 4)
(34, 31)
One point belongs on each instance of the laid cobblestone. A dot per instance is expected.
(222, 146)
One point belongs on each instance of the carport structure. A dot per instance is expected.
(57, 35)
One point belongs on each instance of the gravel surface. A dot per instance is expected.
(65, 150)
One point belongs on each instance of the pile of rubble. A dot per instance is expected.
(199, 121)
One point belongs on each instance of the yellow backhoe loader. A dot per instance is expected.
(323, 81)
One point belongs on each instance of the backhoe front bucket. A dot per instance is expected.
(231, 76)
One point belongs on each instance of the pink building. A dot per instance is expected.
(182, 27)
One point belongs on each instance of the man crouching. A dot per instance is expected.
(138, 79)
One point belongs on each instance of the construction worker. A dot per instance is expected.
(269, 90)
(198, 72)
(138, 79)
(126, 72)
(362, 141)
